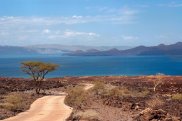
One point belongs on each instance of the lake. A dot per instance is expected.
(97, 65)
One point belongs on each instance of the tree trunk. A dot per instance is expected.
(37, 91)
(38, 84)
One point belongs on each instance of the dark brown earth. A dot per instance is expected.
(24, 88)
(110, 108)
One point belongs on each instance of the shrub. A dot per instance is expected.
(13, 102)
(125, 92)
(8, 106)
(86, 115)
(76, 96)
(115, 92)
(118, 92)
(177, 96)
(158, 80)
(143, 93)
(99, 88)
(2, 91)
(154, 102)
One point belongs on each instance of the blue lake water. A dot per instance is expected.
(97, 65)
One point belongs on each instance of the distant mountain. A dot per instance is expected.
(53, 49)
(12, 50)
(62, 49)
(173, 49)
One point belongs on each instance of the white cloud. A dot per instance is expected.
(22, 30)
(129, 38)
(68, 34)
(76, 17)
(46, 31)
(123, 15)
(163, 36)
(171, 5)
(127, 11)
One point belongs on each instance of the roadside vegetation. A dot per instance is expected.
(111, 98)
(16, 102)
(76, 97)
(16, 95)
(136, 101)
(177, 96)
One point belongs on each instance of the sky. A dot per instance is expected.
(90, 22)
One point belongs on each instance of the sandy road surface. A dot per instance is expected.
(88, 86)
(48, 108)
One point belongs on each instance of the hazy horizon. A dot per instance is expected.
(90, 22)
(54, 44)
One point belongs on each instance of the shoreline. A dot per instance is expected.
(83, 77)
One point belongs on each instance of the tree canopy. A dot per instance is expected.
(37, 70)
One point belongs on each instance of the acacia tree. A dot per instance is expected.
(37, 70)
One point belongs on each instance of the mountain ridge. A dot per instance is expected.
(161, 49)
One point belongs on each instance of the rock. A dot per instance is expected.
(155, 115)
(135, 106)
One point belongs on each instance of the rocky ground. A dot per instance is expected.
(16, 95)
(130, 99)
(117, 98)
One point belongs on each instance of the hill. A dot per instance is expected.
(13, 50)
(173, 49)
(162, 49)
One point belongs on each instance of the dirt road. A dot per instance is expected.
(48, 108)
(88, 86)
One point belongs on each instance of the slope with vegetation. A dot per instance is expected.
(113, 98)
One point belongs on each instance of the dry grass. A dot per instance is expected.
(13, 102)
(125, 92)
(136, 93)
(88, 115)
(103, 89)
(76, 96)
(99, 88)
(118, 92)
(177, 96)
(154, 102)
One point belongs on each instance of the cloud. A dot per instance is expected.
(21, 30)
(34, 33)
(46, 31)
(171, 5)
(77, 17)
(124, 15)
(68, 34)
(129, 38)
(127, 17)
